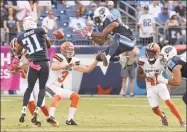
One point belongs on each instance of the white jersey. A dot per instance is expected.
(146, 21)
(61, 77)
(157, 67)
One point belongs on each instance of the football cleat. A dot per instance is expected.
(23, 114)
(22, 117)
(71, 122)
(35, 118)
(183, 124)
(52, 121)
(37, 124)
(164, 120)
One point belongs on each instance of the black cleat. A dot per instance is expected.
(71, 122)
(164, 120)
(52, 121)
(22, 117)
(37, 124)
(35, 118)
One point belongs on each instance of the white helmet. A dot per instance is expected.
(100, 15)
(29, 23)
(167, 53)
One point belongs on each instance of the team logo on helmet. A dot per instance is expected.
(102, 11)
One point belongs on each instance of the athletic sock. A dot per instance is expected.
(174, 109)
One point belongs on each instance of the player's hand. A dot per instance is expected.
(150, 74)
(15, 61)
(70, 65)
(161, 79)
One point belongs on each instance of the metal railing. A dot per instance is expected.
(124, 8)
(175, 35)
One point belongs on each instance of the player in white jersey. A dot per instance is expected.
(61, 67)
(22, 68)
(149, 68)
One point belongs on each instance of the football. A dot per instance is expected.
(58, 34)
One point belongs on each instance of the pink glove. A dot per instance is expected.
(15, 61)
(34, 66)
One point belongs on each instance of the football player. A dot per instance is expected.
(112, 28)
(22, 68)
(149, 68)
(36, 42)
(176, 64)
(60, 73)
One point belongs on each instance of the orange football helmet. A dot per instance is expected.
(67, 49)
(152, 51)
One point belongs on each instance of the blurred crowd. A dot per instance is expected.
(169, 14)
(80, 16)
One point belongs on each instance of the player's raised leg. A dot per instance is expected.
(153, 99)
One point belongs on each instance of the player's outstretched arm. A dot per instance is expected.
(86, 69)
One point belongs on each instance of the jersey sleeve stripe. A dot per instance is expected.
(140, 63)
(57, 57)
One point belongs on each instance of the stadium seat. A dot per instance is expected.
(43, 13)
(62, 24)
(70, 13)
(62, 6)
(50, 33)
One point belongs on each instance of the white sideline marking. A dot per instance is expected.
(144, 106)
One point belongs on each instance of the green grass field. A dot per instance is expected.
(96, 114)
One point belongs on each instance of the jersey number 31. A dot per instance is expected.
(31, 48)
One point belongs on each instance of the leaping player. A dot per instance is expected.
(121, 34)
(176, 64)
(61, 67)
(22, 68)
(150, 68)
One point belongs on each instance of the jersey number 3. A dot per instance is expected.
(31, 49)
(64, 75)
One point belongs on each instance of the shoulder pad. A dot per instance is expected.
(58, 57)
(141, 60)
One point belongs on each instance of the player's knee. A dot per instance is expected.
(75, 96)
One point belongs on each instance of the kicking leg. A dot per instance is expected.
(74, 102)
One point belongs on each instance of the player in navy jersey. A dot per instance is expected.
(112, 28)
(176, 64)
(36, 42)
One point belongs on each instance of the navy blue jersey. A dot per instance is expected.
(122, 29)
(34, 42)
(178, 60)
